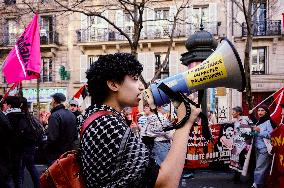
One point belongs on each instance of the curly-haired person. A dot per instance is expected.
(113, 85)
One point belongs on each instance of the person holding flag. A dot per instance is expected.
(261, 129)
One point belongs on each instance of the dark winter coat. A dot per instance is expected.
(61, 132)
(5, 145)
(22, 131)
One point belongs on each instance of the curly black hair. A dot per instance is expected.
(110, 67)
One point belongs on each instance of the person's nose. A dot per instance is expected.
(141, 86)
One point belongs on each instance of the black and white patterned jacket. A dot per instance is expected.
(103, 164)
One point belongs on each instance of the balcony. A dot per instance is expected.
(150, 31)
(257, 72)
(264, 28)
(8, 39)
(48, 38)
(10, 2)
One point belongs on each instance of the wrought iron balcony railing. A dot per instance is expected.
(8, 39)
(257, 72)
(151, 31)
(264, 28)
(47, 38)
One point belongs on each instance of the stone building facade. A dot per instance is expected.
(70, 42)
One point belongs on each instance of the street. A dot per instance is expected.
(212, 179)
(201, 179)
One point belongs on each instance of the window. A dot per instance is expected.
(47, 70)
(162, 14)
(258, 61)
(11, 34)
(200, 13)
(159, 61)
(10, 2)
(260, 11)
(259, 18)
(46, 29)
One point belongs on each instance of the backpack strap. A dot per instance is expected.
(91, 118)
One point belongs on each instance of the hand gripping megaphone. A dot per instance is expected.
(223, 68)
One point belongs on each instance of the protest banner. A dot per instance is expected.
(202, 153)
(242, 147)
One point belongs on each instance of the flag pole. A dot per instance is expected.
(38, 80)
(7, 92)
(21, 89)
(265, 99)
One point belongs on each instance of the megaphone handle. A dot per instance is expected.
(181, 123)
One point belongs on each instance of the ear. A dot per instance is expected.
(113, 86)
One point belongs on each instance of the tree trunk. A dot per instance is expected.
(248, 48)
(247, 58)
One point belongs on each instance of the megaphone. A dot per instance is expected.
(223, 68)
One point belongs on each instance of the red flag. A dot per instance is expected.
(81, 94)
(279, 99)
(134, 114)
(23, 61)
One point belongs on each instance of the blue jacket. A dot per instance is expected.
(265, 130)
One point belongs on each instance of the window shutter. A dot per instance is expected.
(105, 23)
(150, 66)
(84, 28)
(173, 63)
(189, 27)
(148, 61)
(142, 59)
(172, 14)
(144, 25)
(213, 17)
(84, 21)
(119, 22)
(119, 18)
(150, 24)
(101, 28)
(83, 67)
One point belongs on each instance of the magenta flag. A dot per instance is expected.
(23, 61)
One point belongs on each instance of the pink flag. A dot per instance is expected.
(23, 61)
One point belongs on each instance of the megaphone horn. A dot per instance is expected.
(223, 68)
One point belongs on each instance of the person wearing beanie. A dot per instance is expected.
(62, 131)
(262, 129)
(74, 108)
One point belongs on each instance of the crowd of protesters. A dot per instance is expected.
(151, 157)
(23, 142)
